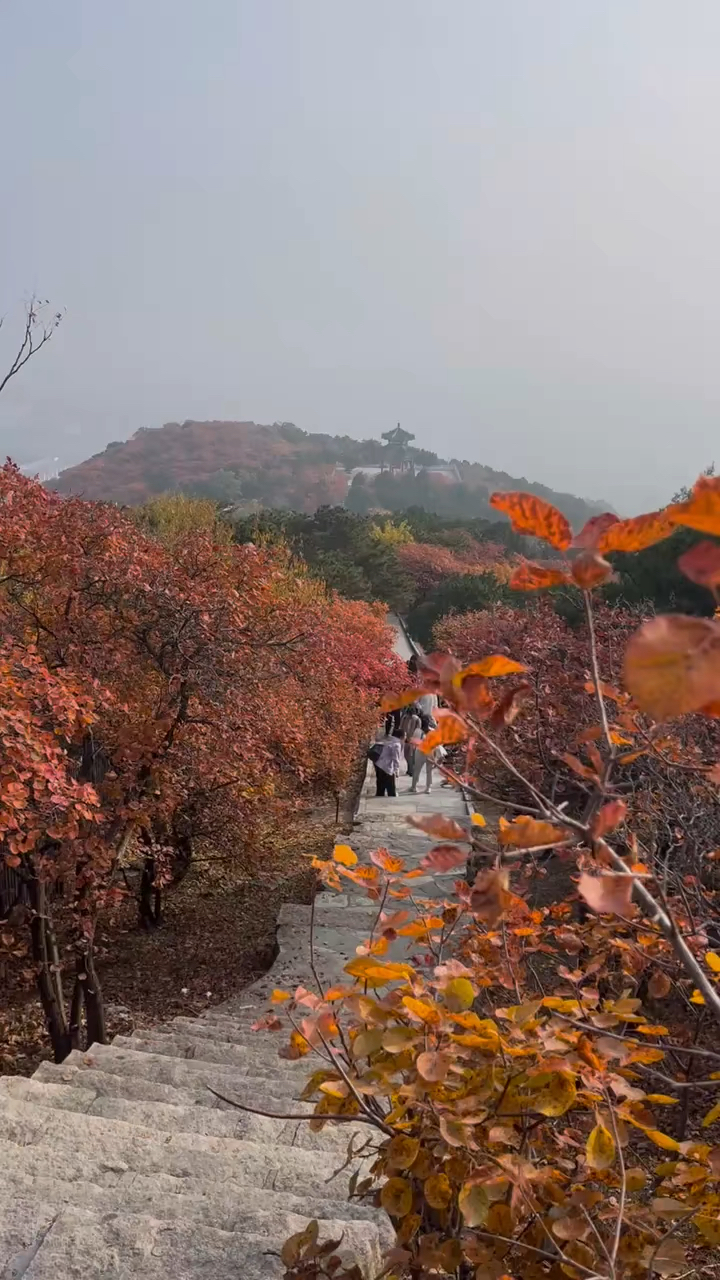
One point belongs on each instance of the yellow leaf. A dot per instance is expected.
(525, 832)
(635, 1179)
(711, 1116)
(367, 1042)
(397, 1039)
(600, 1148)
(396, 1197)
(496, 664)
(651, 1030)
(662, 1099)
(552, 1093)
(459, 994)
(662, 1140)
(388, 971)
(402, 1151)
(474, 1204)
(279, 997)
(437, 1191)
(697, 997)
(421, 1009)
(713, 960)
(477, 820)
(708, 1224)
(343, 854)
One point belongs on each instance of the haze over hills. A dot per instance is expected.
(279, 465)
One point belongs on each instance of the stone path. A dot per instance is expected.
(123, 1164)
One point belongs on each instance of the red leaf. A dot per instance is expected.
(434, 824)
(589, 536)
(607, 818)
(591, 570)
(444, 857)
(701, 564)
(672, 665)
(608, 894)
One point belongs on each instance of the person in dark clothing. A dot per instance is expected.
(387, 765)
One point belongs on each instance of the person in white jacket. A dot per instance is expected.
(388, 762)
(429, 760)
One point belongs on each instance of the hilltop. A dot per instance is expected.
(251, 465)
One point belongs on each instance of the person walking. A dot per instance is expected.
(427, 705)
(411, 726)
(429, 759)
(387, 765)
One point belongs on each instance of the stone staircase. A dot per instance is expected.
(123, 1163)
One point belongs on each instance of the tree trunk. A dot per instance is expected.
(43, 952)
(150, 898)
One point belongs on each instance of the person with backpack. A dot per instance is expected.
(387, 755)
(411, 726)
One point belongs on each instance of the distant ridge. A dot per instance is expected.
(279, 465)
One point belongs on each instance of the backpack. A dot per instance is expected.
(374, 752)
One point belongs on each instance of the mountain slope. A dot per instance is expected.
(282, 466)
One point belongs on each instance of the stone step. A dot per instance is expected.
(181, 1115)
(204, 1048)
(27, 1169)
(80, 1244)
(182, 1155)
(262, 1044)
(103, 1081)
(50, 1197)
(250, 1082)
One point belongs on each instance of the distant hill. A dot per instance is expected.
(250, 465)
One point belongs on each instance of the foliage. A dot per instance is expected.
(173, 516)
(457, 594)
(342, 549)
(283, 466)
(539, 1084)
(126, 659)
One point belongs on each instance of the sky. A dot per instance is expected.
(497, 223)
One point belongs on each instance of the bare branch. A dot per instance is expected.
(36, 333)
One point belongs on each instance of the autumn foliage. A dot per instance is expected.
(150, 688)
(539, 1084)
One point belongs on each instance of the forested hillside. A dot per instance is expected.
(247, 464)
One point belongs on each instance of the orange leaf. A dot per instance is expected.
(702, 510)
(343, 854)
(496, 664)
(638, 533)
(529, 514)
(533, 577)
(701, 564)
(434, 824)
(525, 833)
(387, 861)
(672, 665)
(450, 729)
(394, 701)
(608, 895)
(421, 1009)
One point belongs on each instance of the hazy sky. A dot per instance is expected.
(497, 222)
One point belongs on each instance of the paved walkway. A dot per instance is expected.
(124, 1161)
